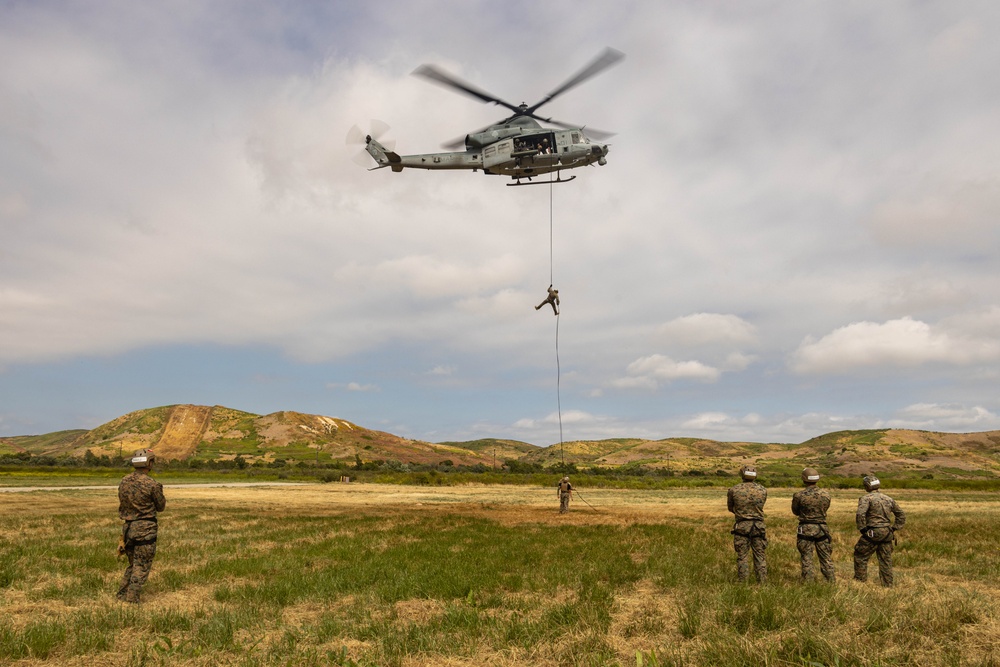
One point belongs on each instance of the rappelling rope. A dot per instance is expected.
(552, 282)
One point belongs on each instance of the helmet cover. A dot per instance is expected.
(143, 458)
(810, 475)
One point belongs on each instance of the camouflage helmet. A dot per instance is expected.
(143, 458)
(565, 479)
(748, 473)
(810, 475)
(871, 482)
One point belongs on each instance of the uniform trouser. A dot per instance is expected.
(140, 561)
(745, 546)
(863, 551)
(563, 502)
(824, 553)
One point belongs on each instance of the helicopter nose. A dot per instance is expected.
(599, 150)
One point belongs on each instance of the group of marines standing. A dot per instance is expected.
(140, 498)
(877, 518)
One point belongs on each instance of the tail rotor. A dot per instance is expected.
(357, 141)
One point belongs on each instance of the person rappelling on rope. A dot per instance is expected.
(552, 299)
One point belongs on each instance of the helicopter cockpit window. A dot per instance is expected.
(576, 138)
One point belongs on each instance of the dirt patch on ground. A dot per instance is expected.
(509, 505)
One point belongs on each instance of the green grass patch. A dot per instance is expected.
(242, 584)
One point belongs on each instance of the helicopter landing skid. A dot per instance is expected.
(559, 179)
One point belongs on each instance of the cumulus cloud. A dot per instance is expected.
(649, 372)
(901, 342)
(206, 198)
(708, 328)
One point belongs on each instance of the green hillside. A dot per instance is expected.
(217, 433)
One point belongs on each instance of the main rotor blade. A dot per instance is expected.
(439, 76)
(591, 132)
(604, 60)
(455, 144)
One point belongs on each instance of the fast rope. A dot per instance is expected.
(577, 494)
(562, 453)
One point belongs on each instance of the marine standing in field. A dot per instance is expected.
(746, 502)
(564, 490)
(875, 521)
(140, 497)
(810, 505)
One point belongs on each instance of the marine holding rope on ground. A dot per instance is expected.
(875, 522)
(746, 502)
(564, 490)
(140, 497)
(810, 505)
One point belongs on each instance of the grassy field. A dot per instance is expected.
(367, 574)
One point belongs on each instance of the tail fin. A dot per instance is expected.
(384, 158)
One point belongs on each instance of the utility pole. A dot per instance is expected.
(494, 458)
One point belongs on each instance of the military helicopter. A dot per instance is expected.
(517, 146)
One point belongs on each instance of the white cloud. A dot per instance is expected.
(939, 417)
(901, 342)
(737, 361)
(575, 418)
(707, 421)
(708, 328)
(649, 372)
(205, 198)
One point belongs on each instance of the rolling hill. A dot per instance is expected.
(192, 432)
(207, 433)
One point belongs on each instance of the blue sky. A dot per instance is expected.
(796, 231)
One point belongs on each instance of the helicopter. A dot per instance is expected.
(517, 146)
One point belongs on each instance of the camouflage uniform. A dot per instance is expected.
(564, 489)
(140, 497)
(552, 299)
(874, 520)
(746, 501)
(810, 505)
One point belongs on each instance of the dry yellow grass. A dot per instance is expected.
(645, 616)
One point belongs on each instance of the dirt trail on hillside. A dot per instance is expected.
(184, 430)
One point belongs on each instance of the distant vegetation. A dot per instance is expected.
(293, 445)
